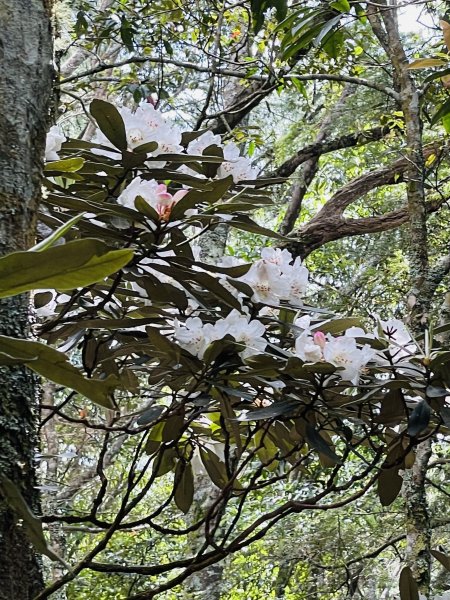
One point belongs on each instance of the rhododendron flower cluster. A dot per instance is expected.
(341, 351)
(144, 125)
(195, 336)
(238, 166)
(147, 124)
(273, 278)
(154, 193)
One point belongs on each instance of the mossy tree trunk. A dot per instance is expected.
(385, 26)
(25, 88)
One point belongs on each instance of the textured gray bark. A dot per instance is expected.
(25, 87)
(49, 439)
(418, 527)
(207, 583)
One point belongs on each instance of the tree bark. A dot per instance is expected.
(49, 437)
(385, 27)
(25, 88)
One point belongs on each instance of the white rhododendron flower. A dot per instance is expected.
(266, 282)
(248, 333)
(53, 143)
(358, 332)
(307, 349)
(340, 351)
(231, 261)
(281, 258)
(400, 343)
(304, 323)
(234, 164)
(297, 276)
(144, 125)
(195, 336)
(274, 278)
(197, 146)
(239, 167)
(343, 352)
(154, 193)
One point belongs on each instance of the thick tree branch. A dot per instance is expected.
(319, 232)
(390, 175)
(315, 150)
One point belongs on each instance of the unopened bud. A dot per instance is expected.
(320, 339)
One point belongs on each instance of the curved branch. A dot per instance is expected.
(319, 232)
(315, 150)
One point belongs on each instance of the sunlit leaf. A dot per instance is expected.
(76, 264)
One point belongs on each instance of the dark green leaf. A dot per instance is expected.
(419, 418)
(392, 408)
(33, 525)
(389, 485)
(445, 414)
(144, 208)
(442, 558)
(316, 441)
(437, 75)
(184, 491)
(338, 325)
(246, 224)
(151, 414)
(173, 428)
(214, 467)
(433, 391)
(443, 110)
(190, 136)
(164, 462)
(276, 409)
(408, 586)
(110, 122)
(57, 234)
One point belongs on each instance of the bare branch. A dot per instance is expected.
(350, 140)
(240, 74)
(319, 232)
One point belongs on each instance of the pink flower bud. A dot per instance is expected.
(320, 339)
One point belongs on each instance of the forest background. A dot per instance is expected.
(165, 470)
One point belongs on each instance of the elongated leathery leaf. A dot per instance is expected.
(75, 264)
(110, 122)
(57, 234)
(54, 365)
(408, 586)
(33, 525)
